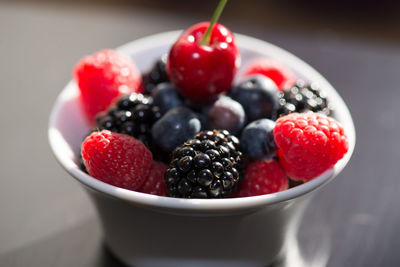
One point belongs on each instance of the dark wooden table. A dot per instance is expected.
(47, 220)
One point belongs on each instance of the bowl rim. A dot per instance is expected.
(221, 206)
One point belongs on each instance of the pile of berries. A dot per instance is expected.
(183, 129)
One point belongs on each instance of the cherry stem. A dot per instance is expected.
(214, 19)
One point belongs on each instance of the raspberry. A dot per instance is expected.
(309, 144)
(102, 77)
(155, 183)
(280, 74)
(116, 159)
(262, 178)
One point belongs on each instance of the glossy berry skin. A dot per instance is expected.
(103, 77)
(156, 75)
(276, 71)
(174, 128)
(133, 114)
(154, 183)
(262, 178)
(257, 140)
(309, 144)
(303, 97)
(166, 97)
(207, 166)
(116, 159)
(258, 96)
(226, 113)
(202, 72)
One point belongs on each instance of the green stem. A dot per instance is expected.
(214, 19)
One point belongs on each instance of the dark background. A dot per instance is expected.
(47, 220)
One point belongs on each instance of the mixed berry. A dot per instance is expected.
(206, 166)
(157, 74)
(134, 115)
(102, 78)
(183, 129)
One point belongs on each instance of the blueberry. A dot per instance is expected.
(166, 97)
(257, 139)
(174, 128)
(227, 114)
(258, 96)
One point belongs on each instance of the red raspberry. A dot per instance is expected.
(116, 159)
(262, 178)
(103, 77)
(274, 70)
(155, 183)
(309, 144)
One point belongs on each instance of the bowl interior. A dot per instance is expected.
(67, 128)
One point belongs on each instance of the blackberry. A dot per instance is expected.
(134, 115)
(207, 166)
(156, 75)
(81, 164)
(303, 97)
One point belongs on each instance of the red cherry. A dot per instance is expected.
(202, 72)
(276, 71)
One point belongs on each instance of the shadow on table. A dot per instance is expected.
(107, 259)
(79, 245)
(83, 245)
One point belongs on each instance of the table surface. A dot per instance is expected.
(47, 219)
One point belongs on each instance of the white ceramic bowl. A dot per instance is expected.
(148, 230)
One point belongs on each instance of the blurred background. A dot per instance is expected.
(46, 218)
